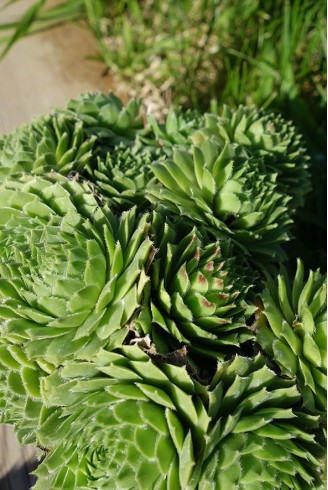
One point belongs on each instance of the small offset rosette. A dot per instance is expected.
(106, 117)
(123, 173)
(71, 273)
(269, 136)
(53, 142)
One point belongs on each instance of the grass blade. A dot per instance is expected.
(23, 26)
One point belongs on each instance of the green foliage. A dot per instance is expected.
(143, 343)
(123, 174)
(21, 402)
(256, 438)
(271, 137)
(196, 295)
(295, 333)
(223, 187)
(70, 271)
(49, 143)
(106, 117)
(144, 421)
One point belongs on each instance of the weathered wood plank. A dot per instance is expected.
(44, 70)
(15, 462)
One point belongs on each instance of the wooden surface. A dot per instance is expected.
(44, 70)
(15, 463)
(39, 73)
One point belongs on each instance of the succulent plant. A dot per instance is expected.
(123, 173)
(52, 142)
(20, 398)
(126, 423)
(106, 117)
(178, 128)
(95, 138)
(267, 135)
(293, 331)
(258, 438)
(71, 273)
(222, 188)
(131, 255)
(196, 295)
(123, 420)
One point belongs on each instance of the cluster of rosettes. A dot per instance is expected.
(139, 346)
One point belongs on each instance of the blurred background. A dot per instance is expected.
(198, 54)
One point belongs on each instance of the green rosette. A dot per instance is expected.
(52, 142)
(222, 188)
(21, 404)
(178, 127)
(197, 294)
(293, 331)
(123, 173)
(271, 137)
(106, 117)
(258, 439)
(71, 273)
(95, 138)
(120, 163)
(122, 422)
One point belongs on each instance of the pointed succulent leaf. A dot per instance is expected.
(297, 322)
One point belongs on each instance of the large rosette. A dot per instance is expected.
(225, 189)
(126, 420)
(71, 273)
(122, 422)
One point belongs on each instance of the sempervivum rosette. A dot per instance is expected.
(258, 439)
(52, 142)
(196, 296)
(126, 423)
(72, 273)
(267, 135)
(20, 398)
(178, 127)
(123, 173)
(222, 188)
(106, 117)
(293, 331)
